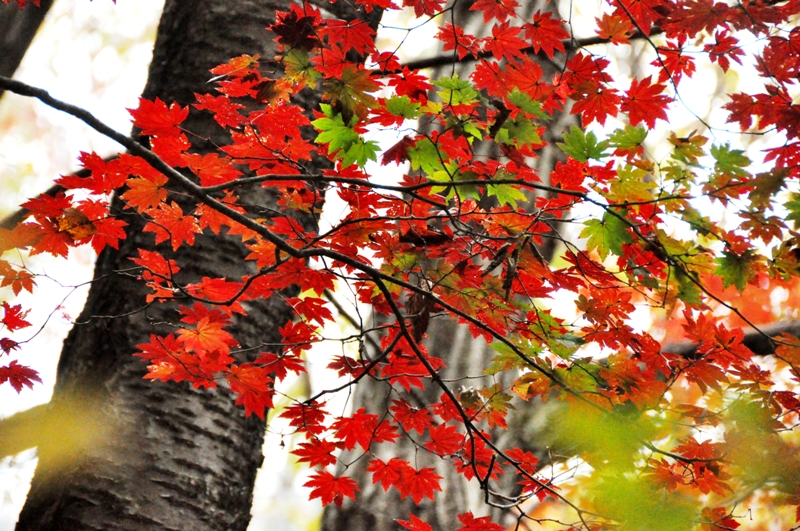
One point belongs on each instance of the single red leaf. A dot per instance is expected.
(644, 102)
(388, 474)
(18, 376)
(316, 452)
(307, 418)
(411, 418)
(415, 524)
(329, 488)
(497, 9)
(444, 440)
(154, 118)
(418, 484)
(483, 523)
(546, 33)
(357, 429)
(253, 385)
(14, 317)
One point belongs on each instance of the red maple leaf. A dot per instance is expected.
(643, 13)
(504, 43)
(18, 376)
(415, 524)
(226, 113)
(357, 429)
(614, 28)
(644, 102)
(595, 102)
(297, 28)
(388, 474)
(674, 64)
(170, 223)
(105, 176)
(7, 345)
(355, 35)
(282, 365)
(311, 308)
(207, 336)
(316, 452)
(169, 361)
(398, 153)
(346, 366)
(718, 518)
(724, 49)
(546, 33)
(145, 192)
(14, 317)
(454, 38)
(483, 523)
(253, 385)
(308, 418)
(418, 484)
(329, 488)
(211, 168)
(425, 7)
(411, 418)
(18, 280)
(445, 440)
(238, 66)
(154, 118)
(498, 9)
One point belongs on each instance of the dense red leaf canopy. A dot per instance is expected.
(641, 213)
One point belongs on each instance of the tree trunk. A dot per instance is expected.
(176, 458)
(17, 29)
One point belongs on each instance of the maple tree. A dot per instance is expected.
(646, 438)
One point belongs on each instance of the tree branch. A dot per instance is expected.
(569, 45)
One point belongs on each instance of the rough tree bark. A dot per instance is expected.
(177, 458)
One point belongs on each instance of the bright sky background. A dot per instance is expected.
(94, 55)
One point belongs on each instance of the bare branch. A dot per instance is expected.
(569, 45)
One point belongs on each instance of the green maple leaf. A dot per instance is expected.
(333, 131)
(793, 206)
(426, 156)
(519, 132)
(766, 185)
(402, 106)
(299, 67)
(526, 103)
(506, 194)
(628, 138)
(360, 152)
(583, 146)
(688, 291)
(352, 91)
(342, 138)
(730, 161)
(632, 184)
(456, 91)
(736, 270)
(606, 235)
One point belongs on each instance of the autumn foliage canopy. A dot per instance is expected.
(641, 213)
